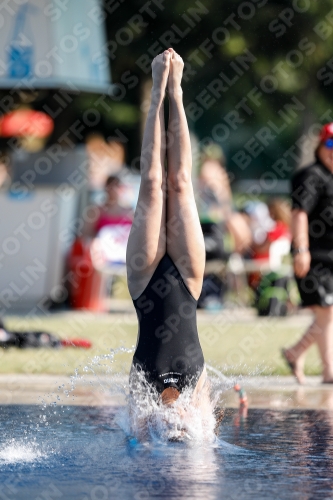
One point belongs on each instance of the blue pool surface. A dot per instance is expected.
(77, 452)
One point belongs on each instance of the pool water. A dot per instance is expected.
(78, 452)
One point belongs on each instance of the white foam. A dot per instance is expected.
(185, 420)
(18, 452)
(145, 417)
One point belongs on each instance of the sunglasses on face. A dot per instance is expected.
(329, 143)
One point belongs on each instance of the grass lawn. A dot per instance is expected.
(242, 347)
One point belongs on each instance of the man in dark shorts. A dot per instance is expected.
(312, 228)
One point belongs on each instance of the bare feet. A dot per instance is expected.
(176, 74)
(160, 71)
(295, 364)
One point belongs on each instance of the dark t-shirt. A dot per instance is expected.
(312, 191)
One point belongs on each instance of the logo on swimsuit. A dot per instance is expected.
(170, 380)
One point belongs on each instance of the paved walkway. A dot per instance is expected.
(263, 392)
(280, 393)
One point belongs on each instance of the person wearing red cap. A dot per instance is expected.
(312, 248)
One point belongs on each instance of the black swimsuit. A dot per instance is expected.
(168, 348)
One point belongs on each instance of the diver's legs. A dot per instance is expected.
(185, 243)
(146, 245)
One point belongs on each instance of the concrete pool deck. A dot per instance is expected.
(280, 393)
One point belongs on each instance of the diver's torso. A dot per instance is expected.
(168, 348)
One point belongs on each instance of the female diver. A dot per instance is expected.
(165, 252)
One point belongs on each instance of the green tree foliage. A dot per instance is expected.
(231, 48)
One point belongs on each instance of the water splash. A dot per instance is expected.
(189, 419)
(99, 367)
(17, 451)
(145, 418)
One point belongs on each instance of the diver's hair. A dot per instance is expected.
(169, 395)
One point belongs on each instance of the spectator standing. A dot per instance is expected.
(312, 232)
